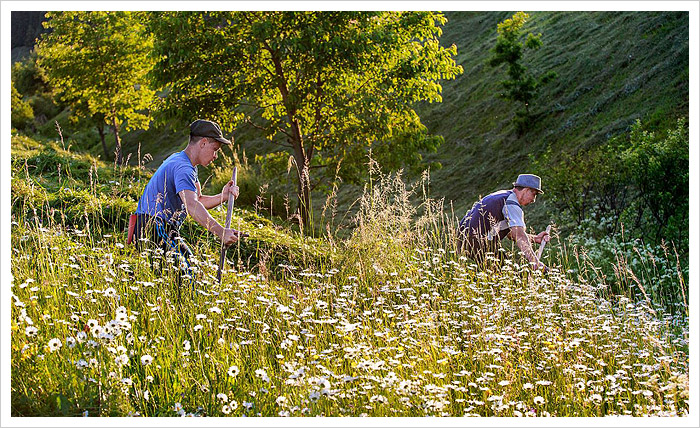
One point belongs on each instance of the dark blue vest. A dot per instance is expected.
(485, 214)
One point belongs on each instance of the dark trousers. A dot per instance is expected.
(154, 233)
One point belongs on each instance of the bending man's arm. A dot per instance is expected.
(210, 202)
(200, 214)
(522, 240)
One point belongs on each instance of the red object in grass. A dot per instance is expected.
(132, 226)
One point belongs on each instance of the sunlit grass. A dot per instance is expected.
(386, 322)
(99, 330)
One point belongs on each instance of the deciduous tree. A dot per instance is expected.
(325, 86)
(521, 86)
(98, 62)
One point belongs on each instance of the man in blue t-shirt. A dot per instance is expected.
(174, 192)
(500, 215)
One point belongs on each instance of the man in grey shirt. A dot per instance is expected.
(500, 215)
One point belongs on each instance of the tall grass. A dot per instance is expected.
(388, 321)
(631, 267)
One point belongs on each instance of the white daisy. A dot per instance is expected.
(54, 345)
(121, 360)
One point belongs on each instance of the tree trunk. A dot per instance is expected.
(117, 141)
(101, 131)
(302, 156)
(302, 161)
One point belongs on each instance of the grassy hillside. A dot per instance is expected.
(613, 67)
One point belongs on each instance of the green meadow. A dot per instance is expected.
(386, 321)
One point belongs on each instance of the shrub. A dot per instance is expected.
(45, 107)
(659, 170)
(640, 179)
(28, 77)
(624, 265)
(22, 113)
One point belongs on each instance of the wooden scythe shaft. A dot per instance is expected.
(229, 211)
(541, 249)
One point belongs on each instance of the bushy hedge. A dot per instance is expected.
(624, 208)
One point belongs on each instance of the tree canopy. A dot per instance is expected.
(325, 86)
(98, 61)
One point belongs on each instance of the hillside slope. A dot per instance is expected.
(613, 67)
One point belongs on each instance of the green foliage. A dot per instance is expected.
(640, 180)
(587, 181)
(31, 81)
(406, 150)
(22, 113)
(97, 62)
(45, 108)
(274, 180)
(659, 168)
(522, 86)
(325, 85)
(29, 77)
(274, 164)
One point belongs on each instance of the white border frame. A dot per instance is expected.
(5, 24)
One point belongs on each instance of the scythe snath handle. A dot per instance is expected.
(229, 211)
(541, 249)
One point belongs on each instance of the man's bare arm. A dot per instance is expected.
(199, 212)
(213, 201)
(522, 240)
